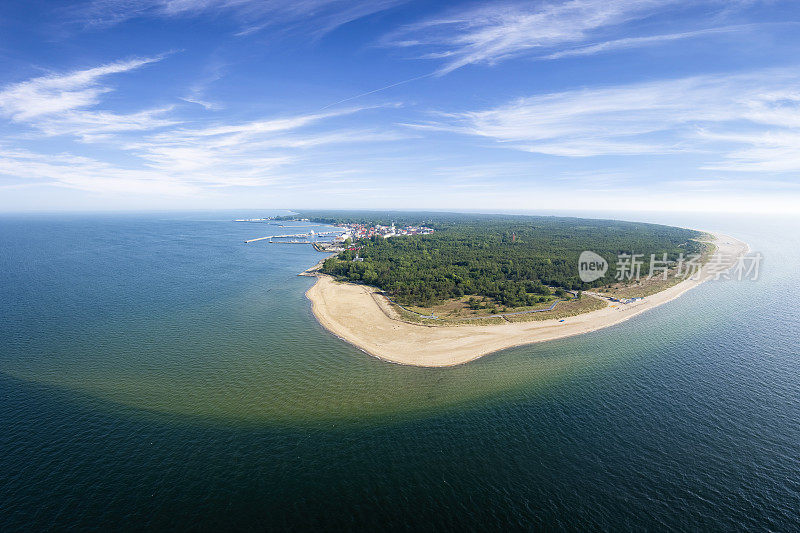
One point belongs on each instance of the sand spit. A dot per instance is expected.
(361, 316)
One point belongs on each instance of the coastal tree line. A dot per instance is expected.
(515, 260)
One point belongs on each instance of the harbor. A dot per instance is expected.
(302, 238)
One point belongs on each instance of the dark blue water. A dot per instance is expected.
(157, 372)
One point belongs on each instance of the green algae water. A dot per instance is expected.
(158, 372)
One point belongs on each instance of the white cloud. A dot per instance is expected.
(64, 92)
(57, 104)
(246, 149)
(211, 106)
(95, 125)
(495, 32)
(188, 162)
(638, 42)
(763, 151)
(316, 16)
(88, 174)
(683, 115)
(161, 156)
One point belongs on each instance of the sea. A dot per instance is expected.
(156, 372)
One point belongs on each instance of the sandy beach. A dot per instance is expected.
(361, 316)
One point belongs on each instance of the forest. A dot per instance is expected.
(512, 259)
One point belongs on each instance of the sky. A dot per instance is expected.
(651, 105)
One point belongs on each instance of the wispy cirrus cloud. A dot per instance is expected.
(492, 33)
(88, 174)
(748, 122)
(650, 40)
(65, 104)
(61, 92)
(163, 154)
(188, 162)
(248, 149)
(316, 16)
(767, 151)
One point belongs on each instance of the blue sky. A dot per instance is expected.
(583, 104)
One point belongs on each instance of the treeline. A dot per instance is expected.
(512, 259)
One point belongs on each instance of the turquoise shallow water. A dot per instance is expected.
(155, 370)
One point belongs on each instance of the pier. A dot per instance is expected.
(295, 236)
(270, 237)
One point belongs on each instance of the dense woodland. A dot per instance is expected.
(511, 259)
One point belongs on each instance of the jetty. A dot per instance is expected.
(295, 236)
(293, 241)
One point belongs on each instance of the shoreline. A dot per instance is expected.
(359, 315)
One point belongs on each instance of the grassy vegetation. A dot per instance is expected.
(472, 307)
(434, 322)
(646, 287)
(563, 310)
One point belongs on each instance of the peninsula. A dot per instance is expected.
(407, 324)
